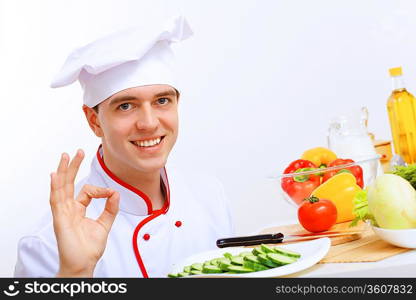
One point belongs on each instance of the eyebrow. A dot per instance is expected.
(129, 97)
(169, 92)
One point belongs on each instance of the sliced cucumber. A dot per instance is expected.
(257, 251)
(261, 258)
(187, 269)
(224, 263)
(240, 269)
(245, 253)
(267, 249)
(254, 266)
(196, 272)
(286, 252)
(211, 269)
(196, 266)
(280, 259)
(237, 260)
(214, 261)
(206, 263)
(267, 262)
(252, 258)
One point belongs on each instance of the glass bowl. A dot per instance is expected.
(369, 166)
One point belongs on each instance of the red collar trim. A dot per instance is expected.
(152, 213)
(155, 214)
(124, 184)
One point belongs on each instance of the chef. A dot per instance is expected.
(133, 215)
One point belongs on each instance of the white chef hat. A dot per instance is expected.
(134, 57)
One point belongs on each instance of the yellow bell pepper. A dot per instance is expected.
(320, 156)
(341, 190)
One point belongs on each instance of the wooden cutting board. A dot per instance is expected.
(341, 227)
(362, 247)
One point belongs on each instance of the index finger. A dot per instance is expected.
(72, 172)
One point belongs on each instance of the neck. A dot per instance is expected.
(398, 83)
(147, 182)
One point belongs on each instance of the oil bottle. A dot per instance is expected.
(401, 107)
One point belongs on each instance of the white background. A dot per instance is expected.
(262, 80)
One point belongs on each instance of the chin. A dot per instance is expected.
(151, 165)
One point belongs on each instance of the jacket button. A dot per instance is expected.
(146, 237)
(178, 223)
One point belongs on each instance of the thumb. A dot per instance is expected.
(109, 214)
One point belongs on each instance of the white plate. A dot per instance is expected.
(311, 253)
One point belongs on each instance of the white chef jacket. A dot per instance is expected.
(142, 242)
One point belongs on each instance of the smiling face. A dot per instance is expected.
(138, 127)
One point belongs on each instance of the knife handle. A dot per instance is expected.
(250, 240)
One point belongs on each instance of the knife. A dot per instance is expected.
(274, 238)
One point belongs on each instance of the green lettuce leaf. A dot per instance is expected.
(360, 209)
(407, 172)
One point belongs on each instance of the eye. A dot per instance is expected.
(163, 101)
(124, 106)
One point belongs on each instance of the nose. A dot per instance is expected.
(147, 118)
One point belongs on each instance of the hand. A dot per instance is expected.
(81, 240)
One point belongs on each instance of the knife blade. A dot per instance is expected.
(275, 238)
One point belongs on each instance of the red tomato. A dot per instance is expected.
(316, 214)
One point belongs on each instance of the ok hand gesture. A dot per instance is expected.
(81, 240)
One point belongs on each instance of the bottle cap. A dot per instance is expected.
(395, 71)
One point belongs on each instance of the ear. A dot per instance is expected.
(178, 95)
(92, 118)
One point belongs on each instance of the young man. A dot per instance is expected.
(131, 216)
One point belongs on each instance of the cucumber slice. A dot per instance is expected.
(228, 255)
(237, 260)
(254, 266)
(252, 258)
(280, 259)
(206, 263)
(187, 269)
(196, 272)
(257, 251)
(245, 253)
(211, 269)
(183, 274)
(267, 249)
(224, 263)
(214, 261)
(286, 252)
(196, 266)
(267, 262)
(240, 269)
(172, 275)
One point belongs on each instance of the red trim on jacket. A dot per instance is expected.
(124, 184)
(152, 213)
(155, 214)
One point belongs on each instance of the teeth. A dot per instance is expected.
(148, 143)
